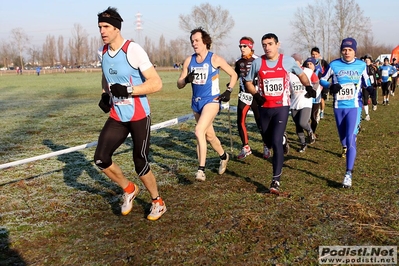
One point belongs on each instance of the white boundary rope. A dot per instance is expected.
(171, 122)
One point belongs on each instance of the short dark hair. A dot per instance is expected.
(270, 36)
(315, 49)
(111, 16)
(206, 38)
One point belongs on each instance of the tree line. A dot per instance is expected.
(326, 22)
(323, 24)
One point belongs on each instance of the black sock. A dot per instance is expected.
(202, 168)
(223, 156)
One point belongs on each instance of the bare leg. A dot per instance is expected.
(204, 132)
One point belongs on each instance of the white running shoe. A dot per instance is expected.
(374, 107)
(266, 152)
(246, 150)
(200, 176)
(223, 164)
(347, 183)
(128, 198)
(156, 211)
(275, 187)
(312, 138)
(367, 118)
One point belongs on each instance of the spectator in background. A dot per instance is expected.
(386, 71)
(371, 71)
(321, 66)
(394, 77)
(301, 104)
(315, 116)
(38, 68)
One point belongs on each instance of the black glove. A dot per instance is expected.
(260, 100)
(310, 92)
(190, 77)
(119, 90)
(335, 88)
(225, 96)
(104, 102)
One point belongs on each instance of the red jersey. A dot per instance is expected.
(274, 84)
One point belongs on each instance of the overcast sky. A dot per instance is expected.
(40, 18)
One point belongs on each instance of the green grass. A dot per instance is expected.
(64, 211)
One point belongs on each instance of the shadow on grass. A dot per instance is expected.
(166, 143)
(330, 183)
(75, 164)
(260, 188)
(8, 256)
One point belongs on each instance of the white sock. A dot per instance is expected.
(366, 109)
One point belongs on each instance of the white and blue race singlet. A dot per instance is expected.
(352, 76)
(386, 72)
(117, 69)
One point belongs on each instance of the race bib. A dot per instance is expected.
(246, 98)
(371, 79)
(385, 73)
(122, 101)
(201, 74)
(298, 87)
(273, 86)
(347, 92)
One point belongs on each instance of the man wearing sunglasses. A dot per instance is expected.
(245, 99)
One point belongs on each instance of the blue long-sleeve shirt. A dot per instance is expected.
(352, 76)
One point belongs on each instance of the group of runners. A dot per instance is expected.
(272, 86)
(352, 83)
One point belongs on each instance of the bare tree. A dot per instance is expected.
(78, 45)
(60, 49)
(324, 17)
(350, 21)
(216, 21)
(35, 53)
(163, 52)
(49, 51)
(20, 40)
(95, 44)
(305, 34)
(326, 23)
(179, 49)
(149, 48)
(7, 54)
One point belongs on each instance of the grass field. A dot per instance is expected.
(64, 211)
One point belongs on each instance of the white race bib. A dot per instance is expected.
(385, 73)
(371, 79)
(347, 92)
(298, 87)
(246, 98)
(273, 86)
(201, 74)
